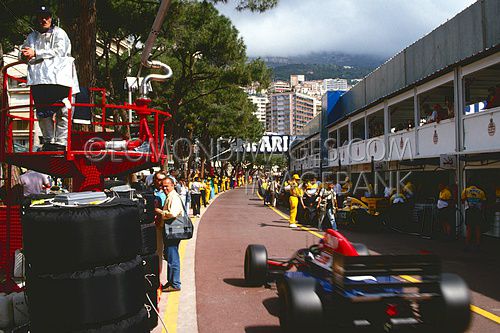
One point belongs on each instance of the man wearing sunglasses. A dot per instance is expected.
(51, 75)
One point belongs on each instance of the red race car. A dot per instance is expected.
(336, 283)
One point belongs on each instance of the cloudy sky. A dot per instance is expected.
(380, 27)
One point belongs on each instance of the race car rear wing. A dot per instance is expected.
(347, 271)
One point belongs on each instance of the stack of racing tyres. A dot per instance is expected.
(337, 284)
(91, 263)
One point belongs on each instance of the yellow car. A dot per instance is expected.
(368, 212)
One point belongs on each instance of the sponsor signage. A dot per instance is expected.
(269, 144)
(448, 161)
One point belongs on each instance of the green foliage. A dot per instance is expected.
(16, 22)
(203, 48)
(320, 71)
(210, 65)
(271, 160)
(253, 5)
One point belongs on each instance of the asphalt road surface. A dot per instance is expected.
(239, 218)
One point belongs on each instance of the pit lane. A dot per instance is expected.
(238, 218)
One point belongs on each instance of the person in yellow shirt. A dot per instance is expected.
(223, 184)
(347, 187)
(207, 191)
(409, 191)
(474, 199)
(312, 188)
(265, 191)
(445, 210)
(295, 196)
(203, 192)
(216, 185)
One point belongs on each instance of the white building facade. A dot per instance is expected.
(335, 84)
(260, 102)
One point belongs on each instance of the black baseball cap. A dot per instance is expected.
(43, 10)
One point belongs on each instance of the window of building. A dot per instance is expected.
(436, 104)
(376, 124)
(482, 90)
(358, 129)
(402, 115)
(344, 136)
(20, 125)
(332, 139)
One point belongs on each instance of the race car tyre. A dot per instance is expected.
(148, 238)
(301, 307)
(59, 239)
(256, 265)
(450, 312)
(138, 323)
(84, 299)
(456, 313)
(361, 249)
(151, 270)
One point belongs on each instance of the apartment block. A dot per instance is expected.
(260, 102)
(289, 112)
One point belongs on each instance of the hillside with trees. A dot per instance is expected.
(323, 65)
(320, 71)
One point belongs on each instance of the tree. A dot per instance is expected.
(203, 48)
(78, 17)
(253, 5)
(80, 20)
(210, 64)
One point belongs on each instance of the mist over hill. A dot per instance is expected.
(316, 66)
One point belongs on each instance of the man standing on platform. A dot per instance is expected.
(51, 75)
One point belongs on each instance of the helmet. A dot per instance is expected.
(296, 177)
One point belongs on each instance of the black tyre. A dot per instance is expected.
(256, 265)
(151, 303)
(147, 207)
(456, 313)
(151, 270)
(148, 238)
(74, 301)
(62, 239)
(451, 312)
(301, 307)
(361, 249)
(138, 323)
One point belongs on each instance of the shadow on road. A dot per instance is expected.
(263, 329)
(272, 306)
(275, 225)
(238, 283)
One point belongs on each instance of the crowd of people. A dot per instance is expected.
(309, 200)
(176, 195)
(316, 204)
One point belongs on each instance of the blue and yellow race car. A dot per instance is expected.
(337, 284)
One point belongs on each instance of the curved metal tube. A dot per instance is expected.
(155, 64)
